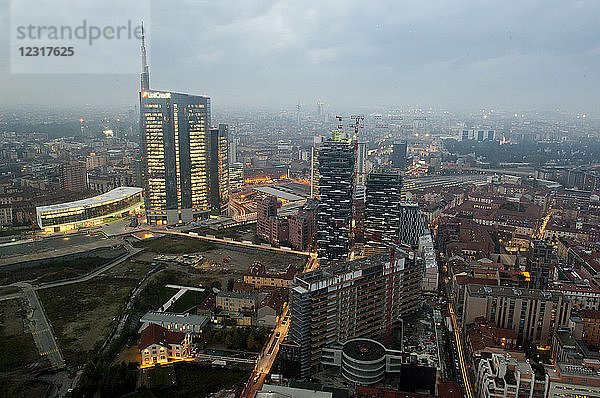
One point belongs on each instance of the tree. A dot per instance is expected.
(216, 284)
(230, 284)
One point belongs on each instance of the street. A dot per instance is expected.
(42, 332)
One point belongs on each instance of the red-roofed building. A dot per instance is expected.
(160, 345)
(208, 305)
(258, 276)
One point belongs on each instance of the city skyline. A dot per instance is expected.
(454, 56)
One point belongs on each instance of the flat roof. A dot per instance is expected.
(115, 194)
(172, 317)
(503, 291)
(279, 193)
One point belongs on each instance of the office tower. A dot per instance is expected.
(320, 111)
(73, 176)
(347, 300)
(361, 171)
(412, 224)
(539, 263)
(233, 151)
(336, 181)
(175, 149)
(219, 169)
(398, 156)
(382, 212)
(236, 176)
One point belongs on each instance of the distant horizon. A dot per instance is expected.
(246, 55)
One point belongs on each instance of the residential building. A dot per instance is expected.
(540, 263)
(398, 156)
(534, 314)
(336, 187)
(159, 345)
(574, 380)
(412, 224)
(345, 300)
(73, 176)
(259, 277)
(236, 302)
(186, 323)
(504, 376)
(383, 208)
(302, 226)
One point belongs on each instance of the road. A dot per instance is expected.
(268, 355)
(42, 332)
(228, 241)
(132, 251)
(461, 355)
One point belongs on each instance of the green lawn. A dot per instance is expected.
(82, 314)
(53, 270)
(189, 300)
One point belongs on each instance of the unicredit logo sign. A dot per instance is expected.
(155, 94)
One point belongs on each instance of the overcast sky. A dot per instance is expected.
(529, 54)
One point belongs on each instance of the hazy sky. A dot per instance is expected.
(535, 54)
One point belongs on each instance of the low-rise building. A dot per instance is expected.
(187, 323)
(259, 277)
(236, 302)
(501, 375)
(159, 345)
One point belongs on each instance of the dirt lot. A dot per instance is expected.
(82, 314)
(239, 259)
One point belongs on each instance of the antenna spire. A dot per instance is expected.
(145, 76)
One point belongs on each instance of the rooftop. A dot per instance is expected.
(171, 317)
(503, 291)
(115, 194)
(156, 334)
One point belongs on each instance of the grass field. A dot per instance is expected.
(188, 300)
(52, 271)
(175, 245)
(17, 347)
(82, 314)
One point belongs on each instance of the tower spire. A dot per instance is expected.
(145, 76)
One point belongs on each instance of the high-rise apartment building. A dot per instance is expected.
(539, 263)
(175, 149)
(219, 169)
(347, 300)
(412, 224)
(382, 211)
(398, 156)
(336, 189)
(73, 176)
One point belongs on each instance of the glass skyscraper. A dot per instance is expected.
(175, 130)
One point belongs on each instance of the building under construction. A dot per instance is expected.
(359, 298)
